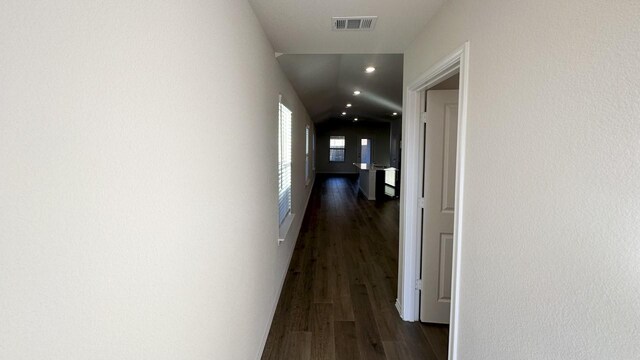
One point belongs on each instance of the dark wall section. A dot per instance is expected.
(396, 137)
(380, 133)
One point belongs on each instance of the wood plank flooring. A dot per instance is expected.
(339, 294)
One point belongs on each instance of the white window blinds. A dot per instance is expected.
(336, 148)
(307, 163)
(284, 163)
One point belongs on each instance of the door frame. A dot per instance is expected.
(408, 302)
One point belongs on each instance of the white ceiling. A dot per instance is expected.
(325, 84)
(304, 26)
(302, 30)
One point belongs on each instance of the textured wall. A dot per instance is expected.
(551, 248)
(138, 152)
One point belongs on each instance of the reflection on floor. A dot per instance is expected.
(339, 294)
(390, 191)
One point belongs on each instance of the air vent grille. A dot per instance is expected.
(354, 23)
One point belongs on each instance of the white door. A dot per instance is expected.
(439, 170)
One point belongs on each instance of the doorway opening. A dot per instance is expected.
(365, 151)
(432, 194)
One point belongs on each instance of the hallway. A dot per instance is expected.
(338, 298)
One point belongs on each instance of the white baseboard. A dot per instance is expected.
(265, 336)
(399, 307)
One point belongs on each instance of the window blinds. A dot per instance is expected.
(284, 163)
(336, 148)
(307, 165)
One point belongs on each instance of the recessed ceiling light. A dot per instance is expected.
(348, 105)
(394, 114)
(344, 113)
(355, 119)
(356, 93)
(370, 69)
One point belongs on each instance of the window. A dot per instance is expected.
(307, 164)
(284, 163)
(336, 148)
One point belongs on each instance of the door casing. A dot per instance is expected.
(408, 301)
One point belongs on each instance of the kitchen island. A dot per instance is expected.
(373, 179)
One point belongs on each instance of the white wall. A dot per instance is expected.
(551, 235)
(138, 205)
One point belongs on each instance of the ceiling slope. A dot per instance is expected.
(325, 84)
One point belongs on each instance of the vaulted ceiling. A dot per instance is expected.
(326, 66)
(325, 84)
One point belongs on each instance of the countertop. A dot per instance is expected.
(367, 167)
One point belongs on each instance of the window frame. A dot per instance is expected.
(307, 159)
(343, 148)
(285, 169)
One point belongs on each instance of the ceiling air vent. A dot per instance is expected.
(351, 23)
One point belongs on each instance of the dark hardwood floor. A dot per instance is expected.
(340, 290)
